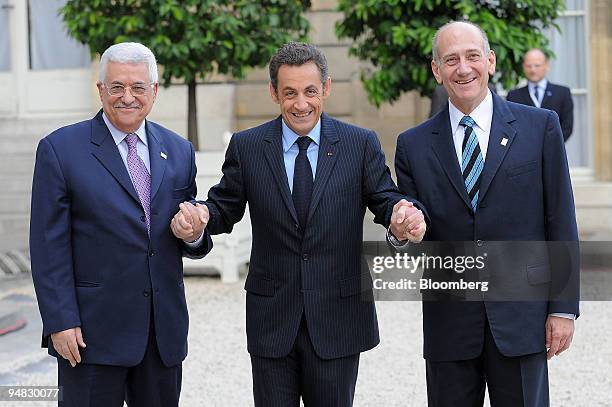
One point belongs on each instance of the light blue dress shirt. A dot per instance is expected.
(142, 146)
(541, 89)
(291, 150)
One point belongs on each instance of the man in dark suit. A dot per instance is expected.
(491, 174)
(308, 179)
(107, 270)
(540, 92)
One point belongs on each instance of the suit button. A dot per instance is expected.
(145, 293)
(297, 226)
(151, 253)
(305, 256)
(143, 218)
(479, 243)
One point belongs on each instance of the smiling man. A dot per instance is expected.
(308, 179)
(490, 173)
(107, 270)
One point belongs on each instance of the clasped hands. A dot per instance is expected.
(189, 222)
(407, 222)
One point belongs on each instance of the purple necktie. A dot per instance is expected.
(140, 177)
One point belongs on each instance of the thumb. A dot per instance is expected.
(79, 338)
(401, 214)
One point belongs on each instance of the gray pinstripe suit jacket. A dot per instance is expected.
(316, 271)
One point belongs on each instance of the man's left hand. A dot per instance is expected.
(559, 335)
(407, 222)
(189, 222)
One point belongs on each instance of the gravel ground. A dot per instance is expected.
(217, 371)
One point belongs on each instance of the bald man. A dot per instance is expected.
(540, 92)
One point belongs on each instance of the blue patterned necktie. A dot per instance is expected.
(536, 92)
(472, 162)
(302, 181)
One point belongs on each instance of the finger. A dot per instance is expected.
(204, 215)
(68, 356)
(74, 350)
(554, 345)
(567, 344)
(548, 334)
(401, 214)
(561, 345)
(185, 211)
(183, 223)
(79, 337)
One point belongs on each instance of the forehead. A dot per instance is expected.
(121, 72)
(459, 38)
(299, 76)
(535, 57)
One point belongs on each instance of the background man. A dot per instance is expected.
(490, 171)
(106, 267)
(540, 92)
(308, 179)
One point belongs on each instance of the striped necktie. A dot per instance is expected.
(472, 162)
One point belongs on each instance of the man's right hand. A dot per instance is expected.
(190, 221)
(67, 344)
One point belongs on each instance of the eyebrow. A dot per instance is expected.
(121, 83)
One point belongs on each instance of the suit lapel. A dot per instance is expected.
(273, 150)
(527, 97)
(548, 94)
(105, 150)
(496, 151)
(158, 163)
(444, 149)
(325, 162)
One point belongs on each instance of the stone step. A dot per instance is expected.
(17, 164)
(19, 183)
(14, 203)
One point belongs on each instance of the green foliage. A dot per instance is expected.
(191, 38)
(395, 37)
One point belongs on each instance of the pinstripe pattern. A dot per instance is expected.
(316, 271)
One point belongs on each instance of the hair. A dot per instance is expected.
(436, 39)
(297, 54)
(129, 53)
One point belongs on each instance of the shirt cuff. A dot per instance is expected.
(196, 242)
(395, 242)
(563, 315)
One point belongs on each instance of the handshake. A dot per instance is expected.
(189, 222)
(407, 222)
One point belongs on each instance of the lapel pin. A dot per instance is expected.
(504, 142)
(163, 155)
(329, 153)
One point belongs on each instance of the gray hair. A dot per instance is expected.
(436, 39)
(129, 53)
(297, 54)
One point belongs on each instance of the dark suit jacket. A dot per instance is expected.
(525, 195)
(93, 264)
(556, 97)
(316, 271)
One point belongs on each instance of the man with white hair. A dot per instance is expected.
(106, 267)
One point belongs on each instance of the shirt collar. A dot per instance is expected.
(482, 115)
(289, 136)
(119, 135)
(542, 84)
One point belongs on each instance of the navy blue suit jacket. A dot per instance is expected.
(525, 195)
(93, 264)
(318, 271)
(556, 97)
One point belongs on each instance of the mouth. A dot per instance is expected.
(127, 107)
(301, 115)
(465, 82)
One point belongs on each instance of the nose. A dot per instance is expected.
(127, 97)
(464, 67)
(300, 103)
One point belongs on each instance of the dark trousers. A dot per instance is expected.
(513, 381)
(148, 384)
(280, 382)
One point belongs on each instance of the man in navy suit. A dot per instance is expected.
(540, 92)
(308, 179)
(494, 176)
(106, 267)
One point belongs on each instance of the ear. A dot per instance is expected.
(327, 87)
(273, 94)
(436, 71)
(155, 89)
(100, 87)
(492, 61)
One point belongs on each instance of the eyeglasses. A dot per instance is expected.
(138, 89)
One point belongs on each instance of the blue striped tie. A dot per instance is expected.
(472, 162)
